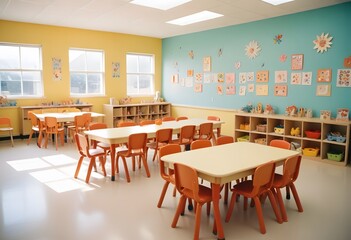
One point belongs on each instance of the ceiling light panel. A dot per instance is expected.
(277, 2)
(160, 4)
(194, 18)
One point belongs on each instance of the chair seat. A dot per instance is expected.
(6, 129)
(278, 180)
(103, 145)
(205, 194)
(96, 151)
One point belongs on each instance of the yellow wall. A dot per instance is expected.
(56, 42)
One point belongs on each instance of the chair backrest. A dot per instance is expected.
(181, 118)
(97, 125)
(186, 179)
(201, 143)
(126, 124)
(5, 122)
(81, 122)
(33, 119)
(164, 135)
(51, 124)
(213, 118)
(146, 122)
(87, 118)
(187, 132)
(224, 140)
(280, 143)
(166, 119)
(137, 141)
(291, 169)
(263, 178)
(82, 144)
(206, 130)
(166, 150)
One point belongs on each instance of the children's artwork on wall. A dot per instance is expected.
(242, 78)
(182, 82)
(251, 87)
(56, 69)
(220, 77)
(175, 78)
(283, 58)
(230, 89)
(198, 78)
(295, 78)
(198, 87)
(250, 76)
(191, 54)
(324, 75)
(323, 90)
(242, 91)
(347, 62)
(306, 78)
(189, 81)
(252, 49)
(237, 65)
(207, 77)
(325, 114)
(280, 90)
(190, 73)
(322, 43)
(262, 76)
(297, 62)
(281, 77)
(261, 89)
(116, 70)
(343, 78)
(230, 78)
(342, 114)
(206, 64)
(219, 89)
(278, 39)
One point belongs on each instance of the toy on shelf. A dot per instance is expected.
(248, 108)
(269, 109)
(295, 132)
(259, 108)
(301, 112)
(279, 129)
(291, 111)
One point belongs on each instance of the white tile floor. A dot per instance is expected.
(41, 200)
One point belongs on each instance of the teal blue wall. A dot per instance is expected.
(299, 30)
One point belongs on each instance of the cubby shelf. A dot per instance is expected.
(135, 112)
(265, 135)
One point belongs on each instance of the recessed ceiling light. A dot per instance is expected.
(277, 2)
(160, 4)
(194, 18)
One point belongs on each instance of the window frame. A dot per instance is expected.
(86, 72)
(26, 70)
(142, 74)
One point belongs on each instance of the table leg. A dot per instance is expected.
(215, 198)
(113, 159)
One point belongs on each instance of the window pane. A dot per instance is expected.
(77, 60)
(94, 61)
(11, 83)
(132, 84)
(145, 84)
(78, 83)
(132, 63)
(145, 64)
(9, 57)
(30, 58)
(31, 88)
(94, 83)
(31, 76)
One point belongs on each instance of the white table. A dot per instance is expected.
(225, 163)
(115, 136)
(66, 116)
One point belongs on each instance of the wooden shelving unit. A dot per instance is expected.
(135, 112)
(246, 125)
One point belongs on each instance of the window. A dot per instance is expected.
(140, 75)
(20, 71)
(87, 72)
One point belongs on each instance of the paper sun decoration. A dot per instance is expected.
(252, 49)
(322, 43)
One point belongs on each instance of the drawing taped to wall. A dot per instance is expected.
(56, 69)
(262, 76)
(281, 77)
(262, 89)
(281, 90)
(324, 75)
(306, 78)
(198, 87)
(242, 91)
(323, 90)
(230, 89)
(230, 78)
(251, 87)
(343, 78)
(295, 78)
(206, 64)
(219, 89)
(296, 62)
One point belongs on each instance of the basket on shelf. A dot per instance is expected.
(261, 127)
(310, 152)
(262, 141)
(316, 134)
(243, 138)
(335, 156)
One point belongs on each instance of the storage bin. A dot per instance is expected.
(335, 156)
(261, 141)
(313, 134)
(244, 126)
(310, 152)
(261, 128)
(243, 138)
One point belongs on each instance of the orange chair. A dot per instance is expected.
(205, 131)
(146, 122)
(126, 124)
(81, 123)
(52, 127)
(217, 131)
(136, 148)
(166, 119)
(94, 126)
(186, 135)
(167, 176)
(163, 137)
(285, 145)
(260, 185)
(85, 151)
(37, 127)
(291, 170)
(202, 143)
(181, 118)
(5, 126)
(186, 179)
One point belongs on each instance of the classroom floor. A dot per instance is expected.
(41, 200)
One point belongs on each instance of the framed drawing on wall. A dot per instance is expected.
(342, 114)
(323, 90)
(280, 90)
(324, 75)
(262, 76)
(207, 64)
(296, 62)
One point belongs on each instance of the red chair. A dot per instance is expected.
(260, 185)
(136, 148)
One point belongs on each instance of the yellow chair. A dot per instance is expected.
(5, 126)
(52, 127)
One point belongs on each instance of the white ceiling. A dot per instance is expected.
(122, 17)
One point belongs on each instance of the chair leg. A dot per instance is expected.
(274, 206)
(90, 167)
(30, 136)
(287, 192)
(11, 136)
(145, 165)
(79, 164)
(126, 169)
(296, 197)
(163, 193)
(179, 210)
(231, 207)
(197, 221)
(174, 191)
(155, 153)
(260, 215)
(277, 193)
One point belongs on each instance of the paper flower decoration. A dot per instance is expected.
(191, 54)
(237, 65)
(252, 49)
(282, 58)
(278, 39)
(322, 43)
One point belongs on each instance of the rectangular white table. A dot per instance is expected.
(115, 136)
(225, 163)
(66, 116)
